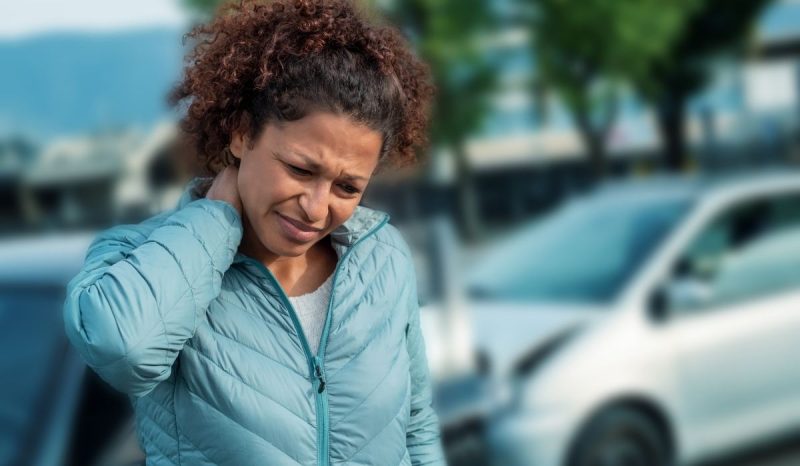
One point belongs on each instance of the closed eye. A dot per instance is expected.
(350, 189)
(298, 171)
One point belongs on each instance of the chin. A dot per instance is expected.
(271, 239)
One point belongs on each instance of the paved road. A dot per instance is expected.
(787, 453)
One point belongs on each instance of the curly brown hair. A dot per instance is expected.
(263, 61)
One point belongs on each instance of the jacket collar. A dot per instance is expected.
(361, 223)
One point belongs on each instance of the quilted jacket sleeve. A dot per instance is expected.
(144, 288)
(423, 436)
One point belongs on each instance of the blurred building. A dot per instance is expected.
(15, 155)
(90, 181)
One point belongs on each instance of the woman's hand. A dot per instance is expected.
(225, 188)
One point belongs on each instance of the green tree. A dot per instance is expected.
(587, 50)
(451, 36)
(202, 7)
(717, 27)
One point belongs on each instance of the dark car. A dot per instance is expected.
(53, 410)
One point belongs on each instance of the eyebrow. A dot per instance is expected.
(315, 166)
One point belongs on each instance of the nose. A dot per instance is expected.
(314, 203)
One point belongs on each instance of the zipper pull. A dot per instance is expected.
(320, 375)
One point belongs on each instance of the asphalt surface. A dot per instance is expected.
(783, 453)
(469, 452)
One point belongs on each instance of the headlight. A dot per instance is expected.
(523, 387)
(531, 361)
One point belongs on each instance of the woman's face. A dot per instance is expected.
(302, 179)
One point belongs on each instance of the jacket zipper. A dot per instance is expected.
(316, 363)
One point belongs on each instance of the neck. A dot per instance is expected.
(288, 270)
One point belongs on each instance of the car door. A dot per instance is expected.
(32, 349)
(734, 299)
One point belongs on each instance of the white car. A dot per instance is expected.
(649, 323)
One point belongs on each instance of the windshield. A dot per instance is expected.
(583, 253)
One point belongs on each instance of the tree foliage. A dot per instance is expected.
(586, 50)
(449, 35)
(715, 28)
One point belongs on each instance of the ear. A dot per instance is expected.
(238, 145)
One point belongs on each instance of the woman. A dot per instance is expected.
(269, 319)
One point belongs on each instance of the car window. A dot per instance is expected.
(585, 252)
(748, 251)
(769, 264)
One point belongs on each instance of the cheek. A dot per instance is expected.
(264, 190)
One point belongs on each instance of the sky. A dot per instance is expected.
(19, 19)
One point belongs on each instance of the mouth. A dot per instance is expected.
(300, 225)
(297, 231)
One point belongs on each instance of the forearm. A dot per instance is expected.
(133, 306)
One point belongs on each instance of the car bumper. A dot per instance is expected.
(528, 438)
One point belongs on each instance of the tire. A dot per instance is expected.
(621, 436)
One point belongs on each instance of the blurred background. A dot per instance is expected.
(606, 226)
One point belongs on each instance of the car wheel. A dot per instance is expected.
(621, 436)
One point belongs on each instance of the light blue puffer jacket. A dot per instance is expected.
(206, 343)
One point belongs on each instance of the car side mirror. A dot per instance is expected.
(657, 305)
(679, 293)
(687, 293)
